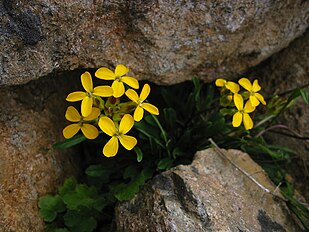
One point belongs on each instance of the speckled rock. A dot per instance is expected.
(208, 195)
(29, 125)
(283, 72)
(162, 41)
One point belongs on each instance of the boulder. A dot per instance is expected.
(208, 195)
(31, 120)
(161, 41)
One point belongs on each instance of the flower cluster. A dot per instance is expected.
(101, 108)
(231, 96)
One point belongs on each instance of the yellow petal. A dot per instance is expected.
(107, 126)
(233, 87)
(118, 88)
(90, 131)
(238, 101)
(245, 83)
(121, 70)
(249, 107)
(138, 114)
(220, 82)
(105, 74)
(71, 130)
(127, 141)
(86, 106)
(260, 98)
(145, 92)
(130, 81)
(76, 96)
(93, 115)
(72, 114)
(103, 91)
(132, 95)
(256, 87)
(237, 118)
(126, 124)
(87, 81)
(111, 147)
(254, 101)
(151, 108)
(248, 123)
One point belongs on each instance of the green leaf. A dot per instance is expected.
(80, 220)
(82, 196)
(50, 206)
(305, 95)
(139, 154)
(165, 163)
(130, 172)
(99, 171)
(124, 192)
(68, 186)
(70, 142)
(149, 131)
(170, 117)
(53, 228)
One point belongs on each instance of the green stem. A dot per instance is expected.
(163, 134)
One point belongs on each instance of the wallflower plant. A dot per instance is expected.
(105, 114)
(190, 114)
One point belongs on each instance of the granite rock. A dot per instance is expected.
(31, 121)
(208, 195)
(161, 41)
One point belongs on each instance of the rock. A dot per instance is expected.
(208, 195)
(29, 125)
(162, 41)
(283, 72)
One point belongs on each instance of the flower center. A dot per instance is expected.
(89, 94)
(118, 78)
(140, 103)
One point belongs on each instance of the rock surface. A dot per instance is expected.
(283, 72)
(162, 41)
(208, 195)
(30, 167)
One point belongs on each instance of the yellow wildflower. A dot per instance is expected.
(119, 77)
(72, 115)
(242, 115)
(230, 85)
(141, 105)
(108, 126)
(255, 98)
(88, 96)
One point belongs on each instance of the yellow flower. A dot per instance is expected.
(72, 115)
(119, 78)
(230, 85)
(108, 126)
(242, 115)
(255, 98)
(87, 97)
(141, 105)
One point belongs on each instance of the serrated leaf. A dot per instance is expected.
(70, 142)
(82, 196)
(80, 221)
(50, 206)
(68, 186)
(124, 192)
